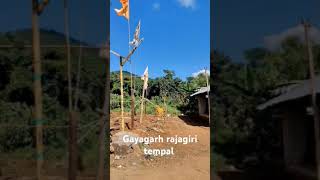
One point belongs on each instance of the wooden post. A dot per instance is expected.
(104, 123)
(73, 151)
(131, 80)
(145, 105)
(132, 103)
(166, 108)
(37, 87)
(142, 102)
(313, 96)
(121, 95)
(122, 62)
(208, 92)
(73, 116)
(68, 52)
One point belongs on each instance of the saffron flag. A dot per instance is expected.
(145, 79)
(136, 38)
(124, 11)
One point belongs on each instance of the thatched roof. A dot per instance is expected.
(293, 92)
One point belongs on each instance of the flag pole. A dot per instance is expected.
(131, 76)
(142, 100)
(208, 91)
(121, 74)
(313, 93)
(121, 95)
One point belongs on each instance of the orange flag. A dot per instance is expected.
(124, 11)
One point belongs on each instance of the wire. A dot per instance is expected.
(87, 133)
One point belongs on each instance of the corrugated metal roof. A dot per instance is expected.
(201, 90)
(285, 88)
(295, 92)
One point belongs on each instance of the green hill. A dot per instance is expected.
(16, 94)
(20, 39)
(46, 36)
(125, 73)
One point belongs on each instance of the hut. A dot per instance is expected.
(292, 110)
(202, 98)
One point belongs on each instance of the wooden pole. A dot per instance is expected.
(131, 77)
(121, 94)
(166, 108)
(208, 92)
(37, 87)
(313, 96)
(77, 89)
(73, 116)
(67, 39)
(142, 103)
(122, 61)
(73, 151)
(104, 123)
(132, 102)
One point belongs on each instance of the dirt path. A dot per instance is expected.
(190, 162)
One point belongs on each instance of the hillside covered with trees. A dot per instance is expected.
(240, 130)
(167, 89)
(16, 95)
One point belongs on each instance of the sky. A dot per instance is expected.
(176, 36)
(88, 19)
(176, 32)
(240, 25)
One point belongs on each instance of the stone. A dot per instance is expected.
(117, 157)
(111, 149)
(118, 138)
(119, 146)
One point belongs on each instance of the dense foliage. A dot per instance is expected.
(240, 130)
(167, 91)
(16, 96)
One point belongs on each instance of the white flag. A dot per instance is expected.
(145, 79)
(136, 37)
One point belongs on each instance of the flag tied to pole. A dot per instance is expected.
(145, 78)
(124, 11)
(136, 38)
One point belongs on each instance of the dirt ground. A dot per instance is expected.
(190, 161)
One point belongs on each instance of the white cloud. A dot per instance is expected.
(273, 42)
(203, 71)
(156, 6)
(188, 3)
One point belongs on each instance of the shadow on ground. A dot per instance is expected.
(195, 120)
(261, 174)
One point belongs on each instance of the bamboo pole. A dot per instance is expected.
(313, 96)
(122, 61)
(132, 102)
(103, 124)
(121, 95)
(73, 116)
(208, 91)
(142, 103)
(37, 87)
(76, 98)
(68, 52)
(131, 77)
